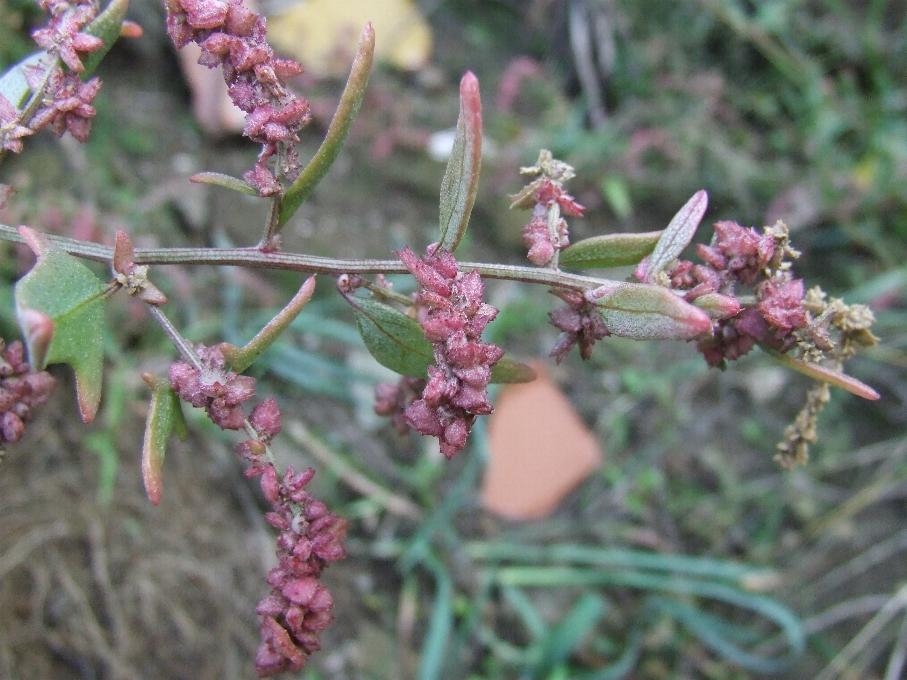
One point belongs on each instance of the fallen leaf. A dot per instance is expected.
(539, 450)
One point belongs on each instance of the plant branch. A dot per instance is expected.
(253, 257)
(182, 345)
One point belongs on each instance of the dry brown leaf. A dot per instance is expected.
(539, 450)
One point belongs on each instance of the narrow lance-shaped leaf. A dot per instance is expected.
(829, 375)
(350, 101)
(164, 418)
(63, 292)
(645, 312)
(678, 234)
(107, 26)
(609, 250)
(397, 342)
(240, 358)
(461, 178)
(218, 179)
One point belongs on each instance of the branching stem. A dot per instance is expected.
(253, 257)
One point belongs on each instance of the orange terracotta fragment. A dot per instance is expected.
(539, 450)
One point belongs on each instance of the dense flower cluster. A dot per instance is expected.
(736, 257)
(547, 233)
(219, 391)
(21, 390)
(63, 35)
(310, 537)
(392, 400)
(234, 37)
(65, 104)
(453, 315)
(580, 323)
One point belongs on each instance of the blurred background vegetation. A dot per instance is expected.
(689, 553)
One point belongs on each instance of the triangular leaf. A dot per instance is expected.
(164, 418)
(71, 296)
(678, 234)
(397, 342)
(609, 250)
(461, 178)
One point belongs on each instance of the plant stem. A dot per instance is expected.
(182, 345)
(253, 257)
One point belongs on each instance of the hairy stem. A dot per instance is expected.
(253, 257)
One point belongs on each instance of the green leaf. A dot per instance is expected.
(617, 194)
(241, 358)
(347, 108)
(509, 371)
(13, 85)
(678, 234)
(609, 250)
(218, 179)
(394, 339)
(645, 312)
(461, 178)
(68, 294)
(164, 418)
(397, 342)
(106, 26)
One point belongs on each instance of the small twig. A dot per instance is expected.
(185, 348)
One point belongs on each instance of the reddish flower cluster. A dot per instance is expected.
(67, 105)
(392, 400)
(11, 129)
(21, 390)
(581, 324)
(453, 316)
(219, 391)
(299, 607)
(546, 233)
(739, 256)
(63, 35)
(66, 100)
(234, 37)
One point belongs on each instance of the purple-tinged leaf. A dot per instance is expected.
(609, 250)
(829, 375)
(123, 260)
(63, 294)
(718, 306)
(678, 234)
(218, 179)
(350, 101)
(461, 178)
(164, 418)
(646, 312)
(240, 358)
